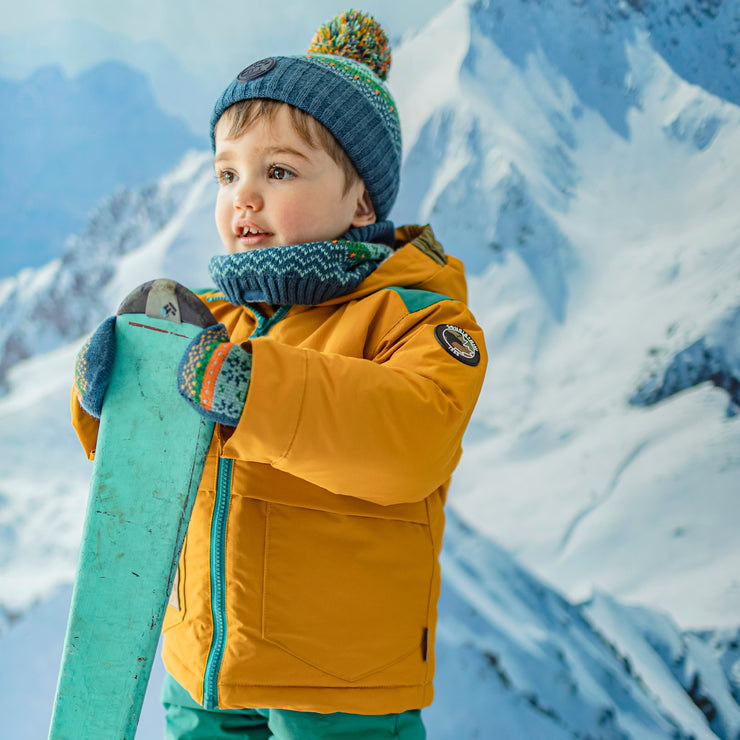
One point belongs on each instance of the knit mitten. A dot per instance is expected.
(94, 365)
(213, 376)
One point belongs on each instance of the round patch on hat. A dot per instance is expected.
(458, 343)
(258, 69)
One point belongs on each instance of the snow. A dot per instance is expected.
(668, 662)
(30, 652)
(544, 657)
(609, 242)
(40, 523)
(157, 256)
(585, 167)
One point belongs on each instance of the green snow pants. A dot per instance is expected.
(187, 720)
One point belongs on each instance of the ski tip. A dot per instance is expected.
(167, 299)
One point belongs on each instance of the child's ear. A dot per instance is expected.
(364, 212)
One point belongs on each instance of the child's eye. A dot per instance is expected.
(276, 172)
(225, 177)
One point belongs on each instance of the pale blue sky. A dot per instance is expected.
(210, 41)
(212, 36)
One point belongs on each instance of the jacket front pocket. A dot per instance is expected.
(347, 594)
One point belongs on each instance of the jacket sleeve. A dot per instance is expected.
(386, 429)
(85, 425)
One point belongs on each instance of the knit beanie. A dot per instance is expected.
(340, 82)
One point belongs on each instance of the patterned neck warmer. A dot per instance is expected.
(302, 274)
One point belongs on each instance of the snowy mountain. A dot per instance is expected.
(712, 358)
(515, 660)
(582, 157)
(41, 309)
(74, 140)
(76, 45)
(593, 190)
(513, 648)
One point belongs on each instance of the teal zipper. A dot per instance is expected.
(265, 323)
(218, 549)
(218, 583)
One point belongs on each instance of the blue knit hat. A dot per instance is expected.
(339, 81)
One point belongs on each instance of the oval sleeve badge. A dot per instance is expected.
(458, 343)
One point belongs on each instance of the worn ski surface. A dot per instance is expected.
(148, 463)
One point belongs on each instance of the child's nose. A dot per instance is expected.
(247, 196)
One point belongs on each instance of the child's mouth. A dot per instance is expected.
(251, 236)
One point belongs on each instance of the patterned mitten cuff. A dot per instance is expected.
(214, 374)
(94, 365)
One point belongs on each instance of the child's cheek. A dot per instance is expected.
(294, 220)
(223, 220)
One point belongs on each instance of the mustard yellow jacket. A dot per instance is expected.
(309, 578)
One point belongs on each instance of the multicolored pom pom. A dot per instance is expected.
(358, 36)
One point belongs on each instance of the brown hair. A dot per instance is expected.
(243, 115)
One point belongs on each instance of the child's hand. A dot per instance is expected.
(94, 365)
(214, 375)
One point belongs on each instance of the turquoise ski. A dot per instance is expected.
(149, 459)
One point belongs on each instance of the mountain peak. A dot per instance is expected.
(79, 139)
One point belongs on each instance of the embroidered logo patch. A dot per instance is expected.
(458, 343)
(258, 69)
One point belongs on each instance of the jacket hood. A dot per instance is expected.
(419, 262)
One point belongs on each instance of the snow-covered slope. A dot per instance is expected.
(594, 192)
(518, 655)
(66, 298)
(515, 660)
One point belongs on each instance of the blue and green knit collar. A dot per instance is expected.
(303, 274)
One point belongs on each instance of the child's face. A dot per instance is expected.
(276, 190)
